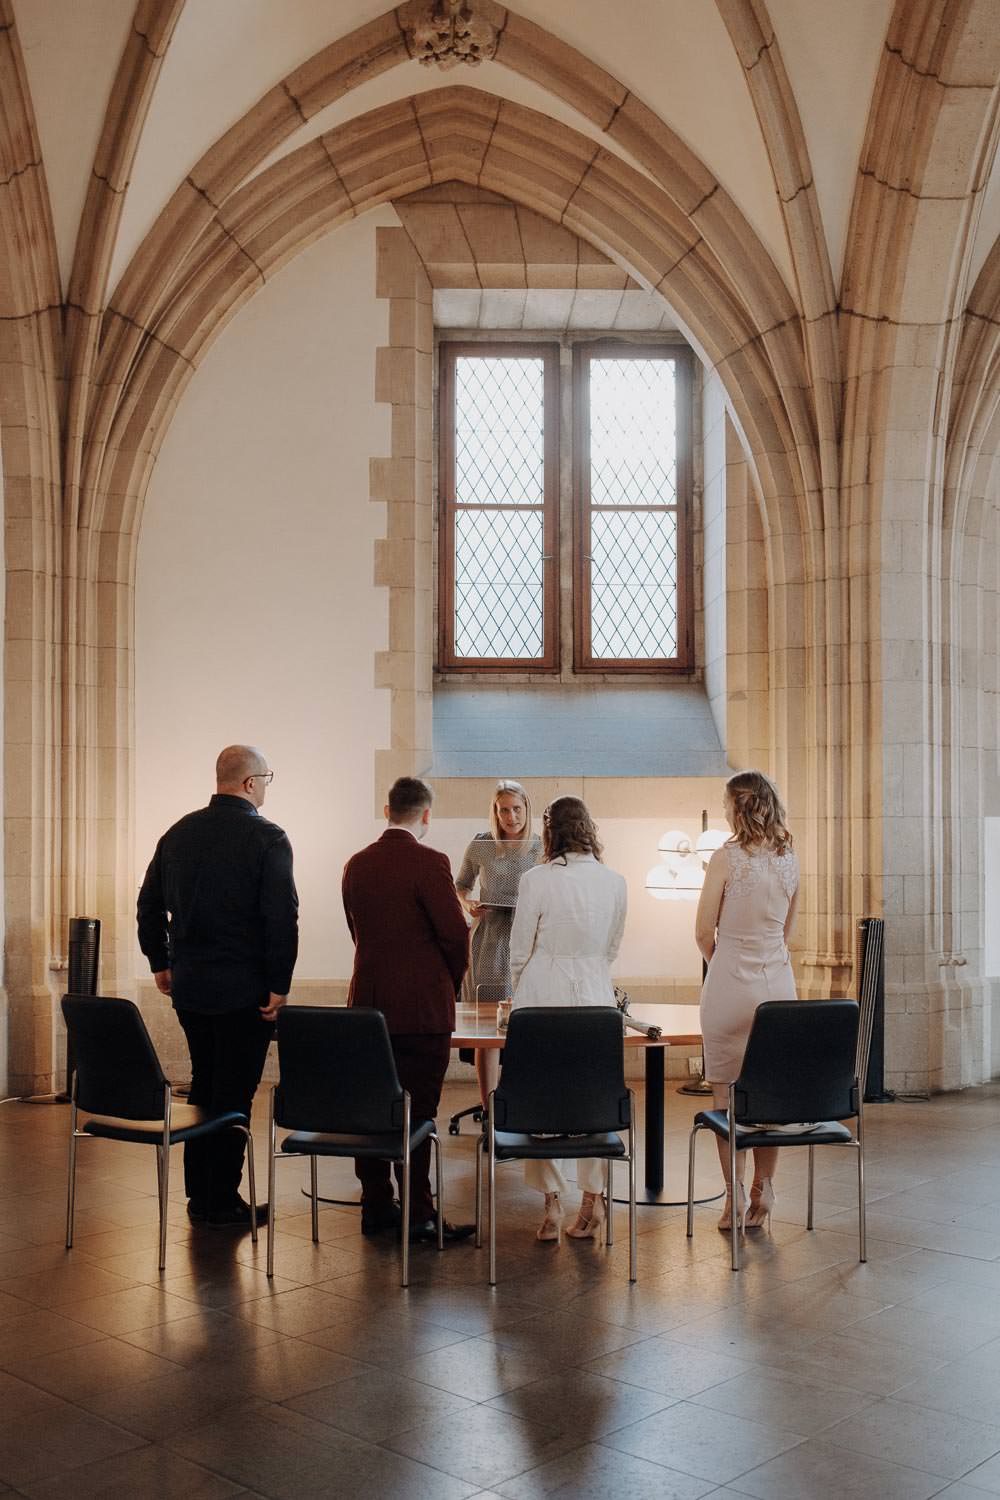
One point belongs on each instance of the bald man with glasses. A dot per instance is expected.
(218, 922)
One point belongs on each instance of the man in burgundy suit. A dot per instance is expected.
(411, 945)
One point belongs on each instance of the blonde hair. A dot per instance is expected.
(568, 828)
(758, 816)
(513, 789)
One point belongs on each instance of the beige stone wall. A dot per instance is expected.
(860, 474)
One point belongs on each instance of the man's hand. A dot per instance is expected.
(162, 981)
(269, 1011)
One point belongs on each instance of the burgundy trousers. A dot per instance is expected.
(421, 1062)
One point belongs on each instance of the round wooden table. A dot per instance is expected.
(680, 1026)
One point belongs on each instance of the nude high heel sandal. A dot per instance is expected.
(760, 1212)
(726, 1222)
(589, 1222)
(551, 1226)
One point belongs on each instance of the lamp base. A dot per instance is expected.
(699, 1086)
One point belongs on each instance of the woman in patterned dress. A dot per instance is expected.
(497, 860)
(745, 916)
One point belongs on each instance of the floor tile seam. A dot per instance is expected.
(502, 1479)
(879, 1340)
(131, 1384)
(949, 1478)
(677, 1466)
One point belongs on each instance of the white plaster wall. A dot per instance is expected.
(256, 618)
(71, 53)
(832, 55)
(659, 946)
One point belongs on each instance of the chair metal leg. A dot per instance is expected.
(609, 1199)
(314, 1196)
(71, 1181)
(479, 1192)
(163, 1176)
(405, 1194)
(252, 1184)
(691, 1146)
(272, 1137)
(862, 1211)
(632, 1247)
(734, 1197)
(491, 1193)
(439, 1178)
(811, 1180)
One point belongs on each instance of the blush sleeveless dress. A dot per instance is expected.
(750, 963)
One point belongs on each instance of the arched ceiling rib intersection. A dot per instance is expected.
(459, 133)
(215, 239)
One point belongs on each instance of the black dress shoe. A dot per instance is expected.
(427, 1233)
(236, 1216)
(378, 1223)
(197, 1212)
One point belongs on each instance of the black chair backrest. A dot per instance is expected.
(563, 1071)
(799, 1063)
(337, 1072)
(117, 1069)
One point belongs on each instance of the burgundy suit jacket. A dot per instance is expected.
(411, 939)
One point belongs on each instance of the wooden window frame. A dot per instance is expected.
(583, 659)
(448, 352)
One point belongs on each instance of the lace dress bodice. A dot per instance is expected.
(759, 890)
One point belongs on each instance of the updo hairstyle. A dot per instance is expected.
(568, 828)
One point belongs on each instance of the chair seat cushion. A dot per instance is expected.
(187, 1122)
(384, 1145)
(827, 1132)
(511, 1145)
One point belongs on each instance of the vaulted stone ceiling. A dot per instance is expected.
(677, 56)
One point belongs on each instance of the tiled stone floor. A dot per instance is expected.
(805, 1375)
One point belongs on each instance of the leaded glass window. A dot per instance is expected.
(499, 487)
(632, 464)
(626, 526)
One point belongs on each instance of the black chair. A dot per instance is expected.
(119, 1083)
(339, 1094)
(562, 1094)
(799, 1065)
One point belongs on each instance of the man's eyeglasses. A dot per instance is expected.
(265, 776)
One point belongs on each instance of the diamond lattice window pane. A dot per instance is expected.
(633, 584)
(633, 432)
(499, 592)
(499, 431)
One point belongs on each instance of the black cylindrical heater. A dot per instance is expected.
(83, 953)
(871, 999)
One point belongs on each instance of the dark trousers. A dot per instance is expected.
(421, 1062)
(227, 1059)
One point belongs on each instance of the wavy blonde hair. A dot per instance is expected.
(568, 828)
(757, 812)
(513, 789)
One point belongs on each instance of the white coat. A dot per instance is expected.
(567, 930)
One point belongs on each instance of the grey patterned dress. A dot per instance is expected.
(498, 867)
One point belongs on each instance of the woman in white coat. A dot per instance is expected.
(567, 931)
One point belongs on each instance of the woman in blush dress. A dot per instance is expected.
(745, 915)
(497, 860)
(567, 931)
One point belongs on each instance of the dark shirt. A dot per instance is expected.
(218, 907)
